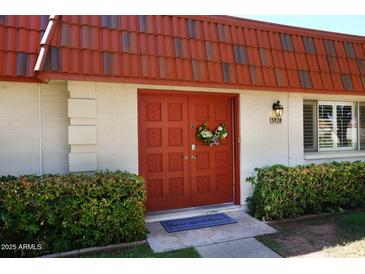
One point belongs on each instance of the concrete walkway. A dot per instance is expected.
(243, 248)
(223, 239)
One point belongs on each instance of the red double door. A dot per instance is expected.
(180, 170)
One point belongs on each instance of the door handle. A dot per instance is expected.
(193, 157)
(186, 157)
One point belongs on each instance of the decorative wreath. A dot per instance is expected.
(207, 136)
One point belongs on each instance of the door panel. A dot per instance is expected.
(177, 176)
(212, 167)
(163, 140)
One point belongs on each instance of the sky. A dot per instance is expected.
(351, 24)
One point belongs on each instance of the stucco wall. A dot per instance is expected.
(20, 127)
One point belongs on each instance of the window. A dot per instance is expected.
(332, 126)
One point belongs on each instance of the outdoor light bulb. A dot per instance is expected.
(278, 109)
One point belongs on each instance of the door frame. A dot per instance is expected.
(236, 128)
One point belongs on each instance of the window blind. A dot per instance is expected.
(310, 126)
(325, 126)
(362, 125)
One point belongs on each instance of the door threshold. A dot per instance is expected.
(157, 216)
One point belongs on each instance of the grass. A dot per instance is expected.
(144, 251)
(338, 236)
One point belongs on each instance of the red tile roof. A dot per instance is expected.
(212, 51)
(19, 46)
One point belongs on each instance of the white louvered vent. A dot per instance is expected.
(325, 126)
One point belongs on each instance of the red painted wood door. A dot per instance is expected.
(211, 167)
(177, 174)
(163, 158)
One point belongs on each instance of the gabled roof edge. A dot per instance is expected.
(46, 39)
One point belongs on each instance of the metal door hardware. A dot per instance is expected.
(186, 157)
(193, 147)
(193, 157)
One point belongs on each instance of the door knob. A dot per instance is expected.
(186, 157)
(193, 157)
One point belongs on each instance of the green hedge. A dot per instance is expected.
(281, 191)
(70, 211)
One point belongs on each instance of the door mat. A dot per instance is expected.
(197, 222)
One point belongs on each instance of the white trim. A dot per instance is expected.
(157, 216)
(334, 105)
(333, 155)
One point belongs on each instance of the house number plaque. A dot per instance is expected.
(275, 120)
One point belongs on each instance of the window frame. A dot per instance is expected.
(334, 104)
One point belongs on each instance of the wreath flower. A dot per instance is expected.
(212, 138)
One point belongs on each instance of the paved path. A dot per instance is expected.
(243, 248)
(247, 227)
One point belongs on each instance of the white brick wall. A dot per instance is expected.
(117, 133)
(54, 127)
(19, 128)
(117, 128)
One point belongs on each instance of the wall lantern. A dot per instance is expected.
(278, 109)
(277, 113)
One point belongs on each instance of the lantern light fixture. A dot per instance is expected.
(278, 109)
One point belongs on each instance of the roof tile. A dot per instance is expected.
(263, 39)
(289, 59)
(210, 31)
(298, 43)
(253, 56)
(164, 25)
(340, 49)
(293, 78)
(356, 81)
(343, 65)
(215, 72)
(326, 80)
(269, 77)
(275, 41)
(312, 62)
(316, 79)
(243, 74)
(358, 50)
(238, 36)
(281, 77)
(184, 74)
(301, 61)
(337, 81)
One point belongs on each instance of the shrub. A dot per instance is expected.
(281, 191)
(63, 212)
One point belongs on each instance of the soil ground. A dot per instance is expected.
(340, 235)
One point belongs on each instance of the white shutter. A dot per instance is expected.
(326, 126)
(309, 126)
(337, 126)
